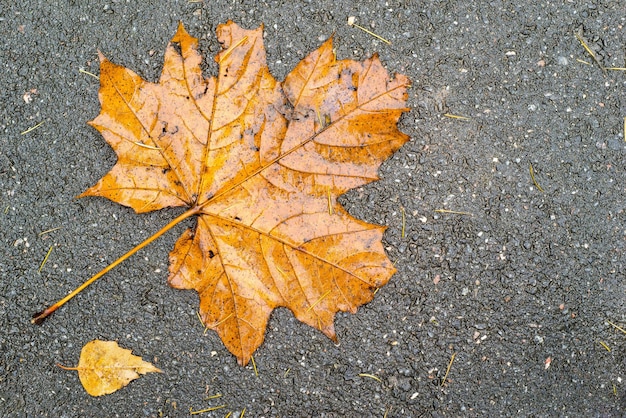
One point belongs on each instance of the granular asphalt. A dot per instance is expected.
(520, 285)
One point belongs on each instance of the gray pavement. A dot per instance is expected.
(520, 288)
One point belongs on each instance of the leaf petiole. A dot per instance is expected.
(39, 317)
(67, 367)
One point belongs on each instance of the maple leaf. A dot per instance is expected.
(104, 367)
(261, 165)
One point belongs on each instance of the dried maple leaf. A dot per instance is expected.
(104, 367)
(260, 164)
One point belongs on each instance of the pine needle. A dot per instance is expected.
(215, 325)
(202, 411)
(617, 327)
(403, 222)
(47, 231)
(142, 145)
(43, 263)
(532, 176)
(80, 70)
(201, 322)
(33, 128)
(387, 411)
(351, 20)
(451, 116)
(221, 321)
(330, 205)
(456, 212)
(371, 376)
(242, 412)
(217, 395)
(589, 51)
(256, 372)
(605, 345)
(448, 369)
(226, 53)
(319, 300)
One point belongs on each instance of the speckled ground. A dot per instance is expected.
(520, 286)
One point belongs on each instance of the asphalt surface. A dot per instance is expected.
(520, 286)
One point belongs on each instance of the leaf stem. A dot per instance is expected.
(66, 367)
(39, 317)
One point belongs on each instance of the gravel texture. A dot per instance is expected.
(519, 287)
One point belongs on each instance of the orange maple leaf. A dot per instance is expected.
(260, 164)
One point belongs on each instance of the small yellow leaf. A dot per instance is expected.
(105, 367)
